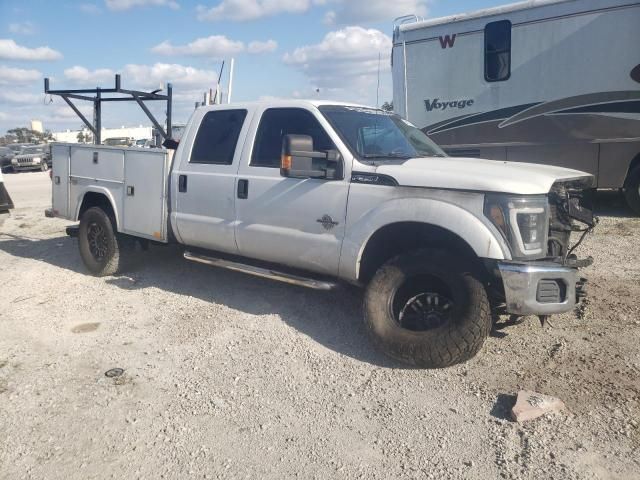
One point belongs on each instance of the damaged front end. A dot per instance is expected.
(550, 282)
(571, 212)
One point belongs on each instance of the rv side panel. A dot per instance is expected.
(567, 92)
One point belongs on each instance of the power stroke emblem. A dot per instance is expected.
(327, 222)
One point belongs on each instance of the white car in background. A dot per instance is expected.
(143, 143)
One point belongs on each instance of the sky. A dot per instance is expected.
(328, 49)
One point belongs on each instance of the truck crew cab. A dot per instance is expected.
(317, 193)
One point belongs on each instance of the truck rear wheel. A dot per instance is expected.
(103, 251)
(426, 309)
(632, 189)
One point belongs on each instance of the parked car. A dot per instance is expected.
(318, 193)
(143, 143)
(6, 154)
(118, 142)
(33, 157)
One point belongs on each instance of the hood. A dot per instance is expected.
(480, 175)
(30, 155)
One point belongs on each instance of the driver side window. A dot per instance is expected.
(278, 122)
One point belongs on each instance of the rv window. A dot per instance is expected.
(497, 51)
(217, 137)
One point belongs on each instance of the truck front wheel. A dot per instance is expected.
(632, 189)
(103, 251)
(427, 309)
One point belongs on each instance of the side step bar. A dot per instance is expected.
(262, 272)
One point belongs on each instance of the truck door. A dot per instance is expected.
(296, 222)
(60, 156)
(205, 193)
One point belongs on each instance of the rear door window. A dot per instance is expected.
(217, 137)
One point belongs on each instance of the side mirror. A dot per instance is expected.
(299, 160)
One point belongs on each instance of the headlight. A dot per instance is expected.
(14, 161)
(522, 220)
(37, 159)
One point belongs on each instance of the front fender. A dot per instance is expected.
(102, 190)
(479, 234)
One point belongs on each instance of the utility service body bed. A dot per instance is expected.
(135, 180)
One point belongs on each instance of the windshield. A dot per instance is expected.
(376, 135)
(32, 150)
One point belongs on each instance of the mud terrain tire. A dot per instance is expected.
(427, 309)
(632, 190)
(103, 251)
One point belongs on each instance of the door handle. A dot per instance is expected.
(182, 183)
(243, 188)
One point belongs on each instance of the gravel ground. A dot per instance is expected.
(230, 376)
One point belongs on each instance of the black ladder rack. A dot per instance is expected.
(96, 95)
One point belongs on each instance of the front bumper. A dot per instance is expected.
(26, 166)
(539, 289)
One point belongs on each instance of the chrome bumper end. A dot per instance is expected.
(543, 289)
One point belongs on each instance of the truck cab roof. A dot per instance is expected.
(282, 103)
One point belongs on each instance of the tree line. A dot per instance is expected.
(25, 135)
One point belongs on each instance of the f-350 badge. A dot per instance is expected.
(327, 222)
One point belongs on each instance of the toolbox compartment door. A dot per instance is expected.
(145, 193)
(97, 163)
(60, 180)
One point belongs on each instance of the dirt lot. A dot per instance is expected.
(229, 376)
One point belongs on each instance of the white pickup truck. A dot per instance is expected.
(318, 193)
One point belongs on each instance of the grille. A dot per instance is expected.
(550, 291)
(25, 160)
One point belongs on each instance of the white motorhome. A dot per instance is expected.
(543, 81)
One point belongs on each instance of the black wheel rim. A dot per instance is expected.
(425, 311)
(422, 303)
(98, 243)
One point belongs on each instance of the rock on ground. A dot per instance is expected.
(530, 405)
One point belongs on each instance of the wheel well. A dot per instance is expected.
(94, 199)
(396, 238)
